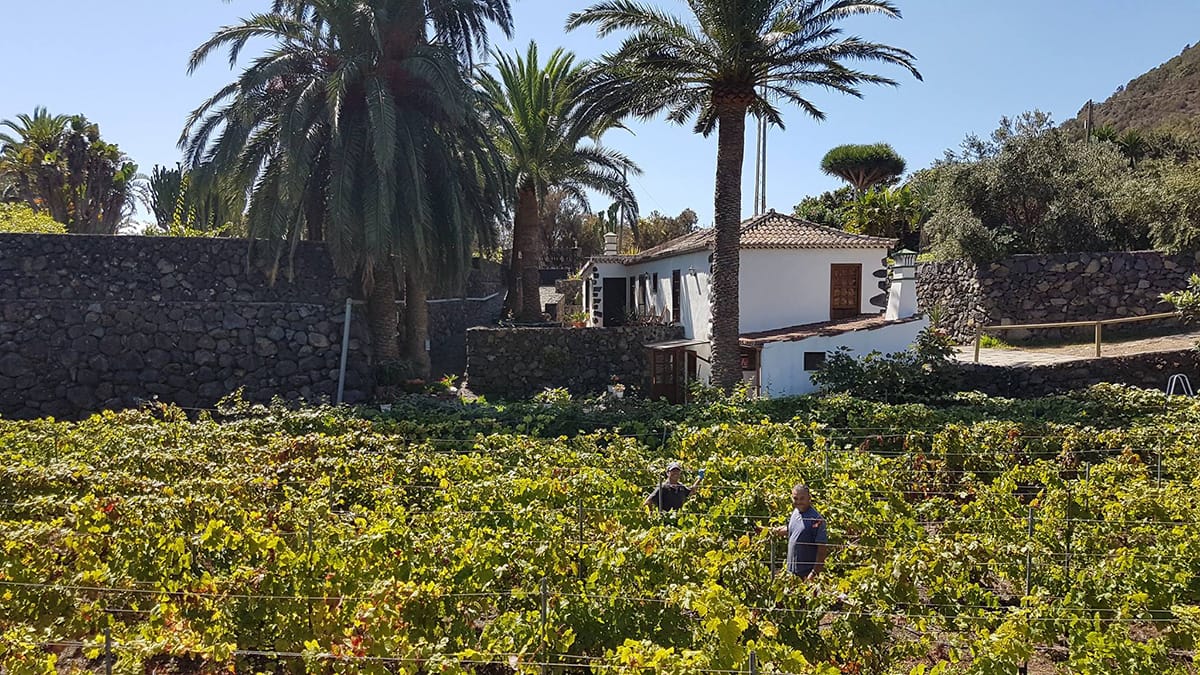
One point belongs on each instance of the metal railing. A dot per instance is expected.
(1097, 324)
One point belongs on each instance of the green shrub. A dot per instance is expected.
(923, 372)
(22, 219)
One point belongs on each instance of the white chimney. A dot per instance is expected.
(902, 296)
(610, 243)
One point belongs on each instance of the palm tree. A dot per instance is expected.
(190, 200)
(863, 166)
(732, 58)
(359, 126)
(543, 129)
(58, 164)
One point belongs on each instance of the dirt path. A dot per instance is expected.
(1026, 356)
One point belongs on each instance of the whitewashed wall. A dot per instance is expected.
(694, 306)
(593, 288)
(780, 288)
(783, 371)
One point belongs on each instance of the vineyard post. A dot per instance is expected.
(1158, 461)
(107, 651)
(1029, 555)
(579, 556)
(753, 662)
(545, 618)
(1028, 576)
(1070, 531)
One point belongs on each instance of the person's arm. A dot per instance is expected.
(822, 551)
(699, 477)
(650, 503)
(780, 531)
(821, 541)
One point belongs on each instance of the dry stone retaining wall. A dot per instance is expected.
(95, 322)
(1051, 288)
(519, 362)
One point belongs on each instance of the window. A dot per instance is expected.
(748, 358)
(814, 360)
(676, 291)
(655, 282)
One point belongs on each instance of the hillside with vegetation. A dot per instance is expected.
(1166, 98)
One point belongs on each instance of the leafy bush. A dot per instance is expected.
(1187, 300)
(22, 219)
(923, 372)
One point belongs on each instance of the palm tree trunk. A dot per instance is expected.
(416, 322)
(382, 319)
(727, 217)
(527, 256)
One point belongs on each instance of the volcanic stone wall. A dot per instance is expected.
(98, 322)
(520, 362)
(1051, 288)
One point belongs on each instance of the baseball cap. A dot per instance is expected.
(674, 465)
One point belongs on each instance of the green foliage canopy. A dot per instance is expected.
(864, 166)
(59, 165)
(1031, 190)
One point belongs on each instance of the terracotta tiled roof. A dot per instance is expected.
(824, 328)
(769, 230)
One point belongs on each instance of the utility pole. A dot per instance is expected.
(757, 166)
(1087, 124)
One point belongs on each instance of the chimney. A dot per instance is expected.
(902, 296)
(610, 243)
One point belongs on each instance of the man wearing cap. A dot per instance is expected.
(671, 494)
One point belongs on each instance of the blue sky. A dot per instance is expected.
(123, 64)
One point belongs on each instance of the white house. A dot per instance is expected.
(804, 290)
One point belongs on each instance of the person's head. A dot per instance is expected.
(674, 470)
(801, 497)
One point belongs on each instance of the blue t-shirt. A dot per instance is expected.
(805, 531)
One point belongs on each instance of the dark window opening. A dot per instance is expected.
(749, 358)
(655, 282)
(676, 287)
(814, 360)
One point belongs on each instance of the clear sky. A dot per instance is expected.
(123, 65)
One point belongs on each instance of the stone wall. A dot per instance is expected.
(520, 362)
(96, 322)
(449, 320)
(1051, 288)
(1150, 370)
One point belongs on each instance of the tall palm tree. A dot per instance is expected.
(360, 126)
(550, 140)
(731, 58)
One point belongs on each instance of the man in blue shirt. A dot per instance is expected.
(806, 533)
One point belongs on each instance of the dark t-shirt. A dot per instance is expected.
(669, 497)
(805, 531)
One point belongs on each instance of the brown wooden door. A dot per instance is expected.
(845, 290)
(666, 375)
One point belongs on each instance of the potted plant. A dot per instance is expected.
(615, 388)
(577, 319)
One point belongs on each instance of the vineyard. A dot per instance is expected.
(978, 536)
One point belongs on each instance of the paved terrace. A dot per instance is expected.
(1046, 355)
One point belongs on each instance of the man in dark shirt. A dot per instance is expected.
(806, 533)
(671, 494)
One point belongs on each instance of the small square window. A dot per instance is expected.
(814, 360)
